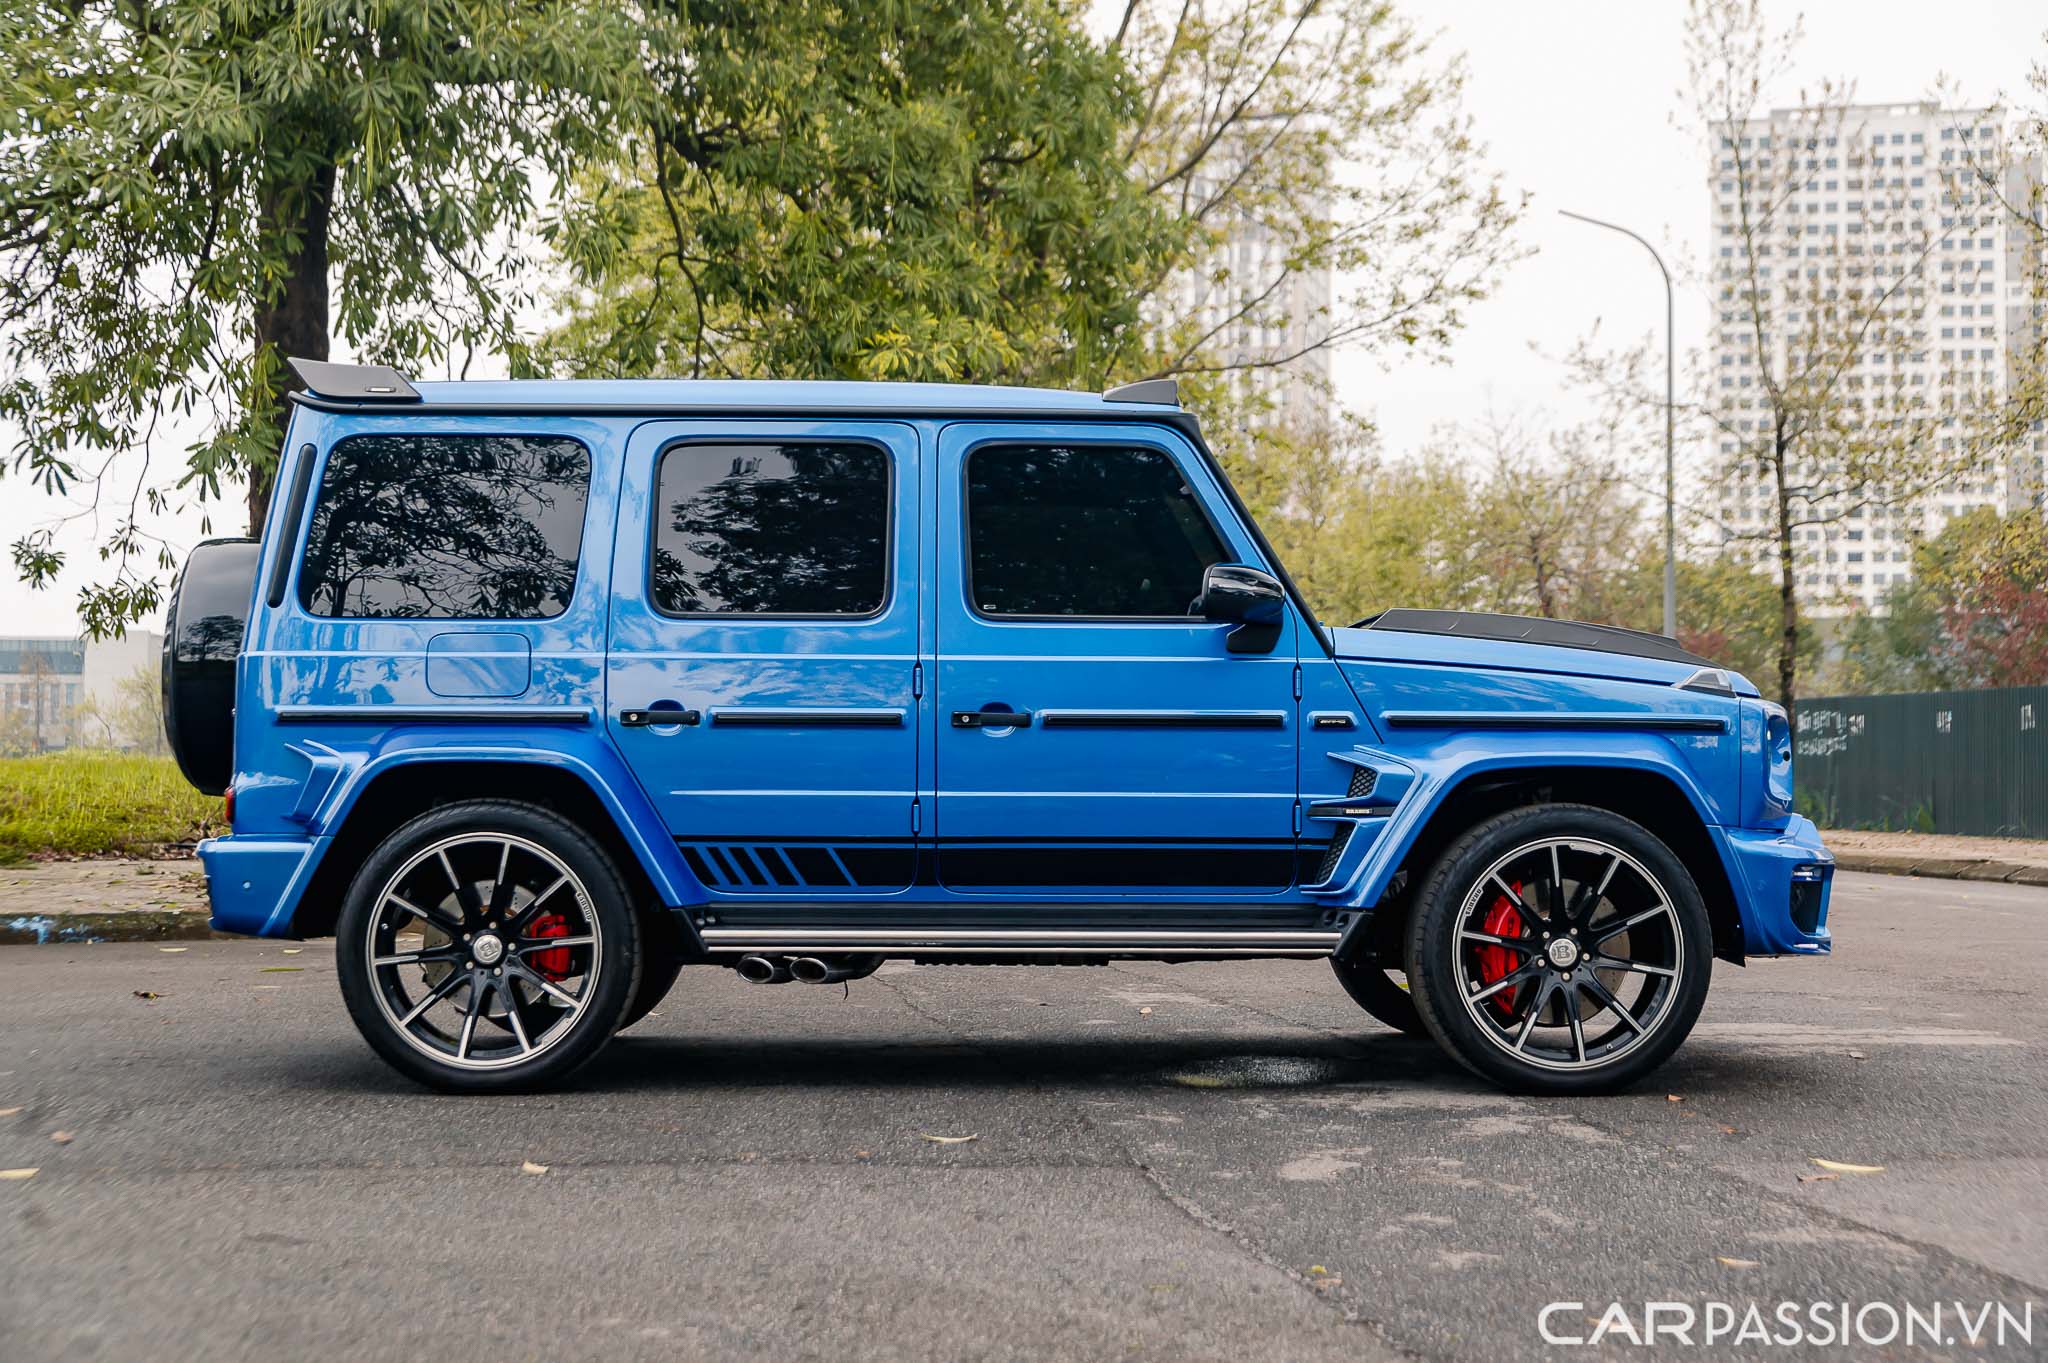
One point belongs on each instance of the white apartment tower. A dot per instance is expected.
(1257, 310)
(1883, 197)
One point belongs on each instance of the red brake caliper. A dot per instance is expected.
(1497, 963)
(554, 962)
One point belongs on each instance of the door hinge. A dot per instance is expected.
(917, 681)
(1297, 681)
(915, 814)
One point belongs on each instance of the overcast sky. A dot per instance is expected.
(1574, 99)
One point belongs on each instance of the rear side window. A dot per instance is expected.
(772, 529)
(455, 526)
(1105, 531)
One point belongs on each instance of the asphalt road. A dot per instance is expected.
(1174, 1162)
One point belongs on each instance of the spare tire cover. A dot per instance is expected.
(208, 611)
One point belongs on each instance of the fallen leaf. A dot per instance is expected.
(529, 1167)
(266, 986)
(1728, 1130)
(863, 1154)
(1318, 1270)
(147, 994)
(17, 1173)
(8, 1111)
(293, 951)
(1144, 1012)
(61, 1137)
(1837, 1167)
(1736, 1263)
(280, 969)
(949, 1140)
(1673, 1098)
(1818, 1178)
(172, 951)
(1858, 1055)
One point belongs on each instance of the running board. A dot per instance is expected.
(1017, 941)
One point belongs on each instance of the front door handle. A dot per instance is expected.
(991, 719)
(660, 714)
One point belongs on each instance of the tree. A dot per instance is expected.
(1834, 425)
(866, 191)
(1327, 136)
(1975, 613)
(180, 182)
(132, 718)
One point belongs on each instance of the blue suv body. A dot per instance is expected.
(543, 690)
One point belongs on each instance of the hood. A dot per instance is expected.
(1526, 644)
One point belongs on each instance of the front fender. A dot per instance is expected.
(1441, 769)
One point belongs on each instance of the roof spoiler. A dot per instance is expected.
(354, 382)
(1163, 391)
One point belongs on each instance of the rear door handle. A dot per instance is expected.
(991, 719)
(660, 714)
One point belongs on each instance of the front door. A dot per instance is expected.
(764, 631)
(1095, 737)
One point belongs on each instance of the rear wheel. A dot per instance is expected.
(1559, 949)
(487, 946)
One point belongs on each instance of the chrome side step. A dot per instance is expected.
(1021, 941)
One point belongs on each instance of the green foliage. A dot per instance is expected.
(97, 803)
(867, 191)
(178, 180)
(1974, 614)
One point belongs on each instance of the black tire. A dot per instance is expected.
(532, 1040)
(661, 960)
(1558, 937)
(1373, 988)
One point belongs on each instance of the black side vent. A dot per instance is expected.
(1334, 853)
(1363, 779)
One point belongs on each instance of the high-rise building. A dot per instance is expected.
(1258, 310)
(1890, 200)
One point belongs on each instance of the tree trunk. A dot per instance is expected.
(1788, 596)
(293, 319)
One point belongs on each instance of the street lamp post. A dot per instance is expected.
(1670, 447)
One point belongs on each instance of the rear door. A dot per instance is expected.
(764, 636)
(1095, 738)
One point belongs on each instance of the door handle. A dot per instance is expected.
(991, 719)
(660, 714)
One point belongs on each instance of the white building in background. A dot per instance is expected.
(1872, 191)
(44, 681)
(1259, 314)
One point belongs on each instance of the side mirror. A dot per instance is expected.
(1250, 598)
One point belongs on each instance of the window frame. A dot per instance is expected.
(966, 514)
(296, 593)
(889, 529)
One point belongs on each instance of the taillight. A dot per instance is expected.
(227, 808)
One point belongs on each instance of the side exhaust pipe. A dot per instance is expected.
(832, 969)
(763, 969)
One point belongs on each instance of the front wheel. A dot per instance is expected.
(487, 946)
(1559, 949)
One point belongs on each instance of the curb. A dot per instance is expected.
(140, 925)
(1943, 868)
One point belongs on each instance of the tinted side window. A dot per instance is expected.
(772, 529)
(461, 526)
(1084, 530)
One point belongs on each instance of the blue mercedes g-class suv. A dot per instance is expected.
(533, 693)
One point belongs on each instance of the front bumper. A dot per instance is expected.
(253, 884)
(1784, 878)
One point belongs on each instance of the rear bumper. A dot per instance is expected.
(1784, 877)
(253, 884)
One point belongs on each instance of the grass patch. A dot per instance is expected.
(85, 803)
